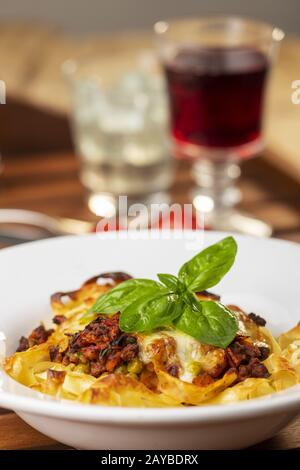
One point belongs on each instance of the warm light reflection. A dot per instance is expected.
(161, 27)
(203, 203)
(277, 34)
(102, 205)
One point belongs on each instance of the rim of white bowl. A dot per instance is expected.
(175, 232)
(275, 403)
(271, 404)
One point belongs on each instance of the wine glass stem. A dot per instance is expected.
(216, 193)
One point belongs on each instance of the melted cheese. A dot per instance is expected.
(191, 355)
(188, 351)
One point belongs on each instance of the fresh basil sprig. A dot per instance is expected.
(123, 295)
(209, 266)
(146, 304)
(208, 321)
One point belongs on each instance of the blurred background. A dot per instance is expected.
(87, 118)
(96, 16)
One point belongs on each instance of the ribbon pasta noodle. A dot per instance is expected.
(88, 359)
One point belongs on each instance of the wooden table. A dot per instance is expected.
(48, 182)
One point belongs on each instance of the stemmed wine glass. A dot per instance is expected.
(216, 71)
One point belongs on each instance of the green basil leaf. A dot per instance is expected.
(209, 266)
(148, 312)
(118, 298)
(209, 322)
(169, 280)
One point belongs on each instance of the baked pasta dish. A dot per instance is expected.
(120, 341)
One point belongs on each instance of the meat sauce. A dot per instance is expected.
(102, 347)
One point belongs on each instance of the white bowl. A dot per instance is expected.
(264, 279)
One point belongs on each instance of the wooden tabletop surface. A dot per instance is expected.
(36, 178)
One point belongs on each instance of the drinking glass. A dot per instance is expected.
(216, 70)
(119, 121)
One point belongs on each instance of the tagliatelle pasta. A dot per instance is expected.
(89, 359)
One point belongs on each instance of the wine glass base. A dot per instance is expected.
(233, 220)
(245, 223)
(216, 195)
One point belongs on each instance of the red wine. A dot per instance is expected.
(216, 95)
